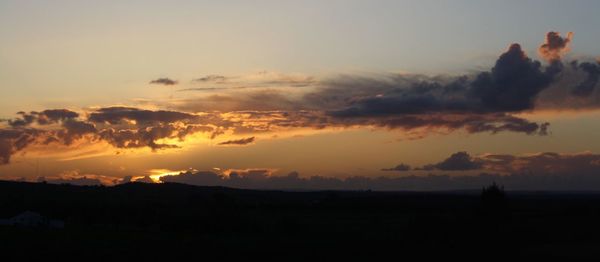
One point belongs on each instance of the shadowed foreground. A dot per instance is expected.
(175, 221)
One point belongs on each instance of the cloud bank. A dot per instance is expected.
(542, 171)
(485, 102)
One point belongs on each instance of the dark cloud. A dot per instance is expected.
(74, 130)
(262, 100)
(204, 178)
(460, 161)
(543, 171)
(587, 86)
(440, 123)
(141, 137)
(164, 81)
(6, 150)
(513, 83)
(212, 79)
(543, 163)
(548, 163)
(483, 102)
(116, 115)
(208, 89)
(54, 115)
(555, 46)
(400, 167)
(15, 140)
(122, 127)
(510, 86)
(262, 79)
(46, 117)
(239, 142)
(78, 181)
(75, 177)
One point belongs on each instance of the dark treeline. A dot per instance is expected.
(174, 221)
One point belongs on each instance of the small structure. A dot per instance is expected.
(32, 219)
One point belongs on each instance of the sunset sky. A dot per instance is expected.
(302, 94)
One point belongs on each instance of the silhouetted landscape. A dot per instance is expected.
(152, 221)
(334, 130)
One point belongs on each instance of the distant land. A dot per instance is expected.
(176, 221)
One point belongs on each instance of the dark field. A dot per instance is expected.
(163, 222)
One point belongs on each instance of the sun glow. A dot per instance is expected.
(156, 174)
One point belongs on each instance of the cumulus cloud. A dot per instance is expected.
(164, 81)
(239, 142)
(510, 86)
(587, 85)
(555, 46)
(460, 161)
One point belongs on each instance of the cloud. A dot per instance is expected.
(46, 117)
(211, 79)
(548, 163)
(74, 130)
(121, 127)
(145, 179)
(555, 46)
(491, 101)
(75, 177)
(6, 150)
(543, 163)
(243, 141)
(164, 81)
(13, 141)
(460, 161)
(81, 181)
(482, 102)
(203, 178)
(263, 79)
(510, 86)
(542, 171)
(587, 86)
(400, 167)
(116, 115)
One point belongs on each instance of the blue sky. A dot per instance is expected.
(83, 48)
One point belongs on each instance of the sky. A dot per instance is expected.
(389, 95)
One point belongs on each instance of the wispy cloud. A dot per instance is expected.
(238, 142)
(164, 81)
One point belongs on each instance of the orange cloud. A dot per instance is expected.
(555, 46)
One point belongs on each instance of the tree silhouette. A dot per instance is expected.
(493, 199)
